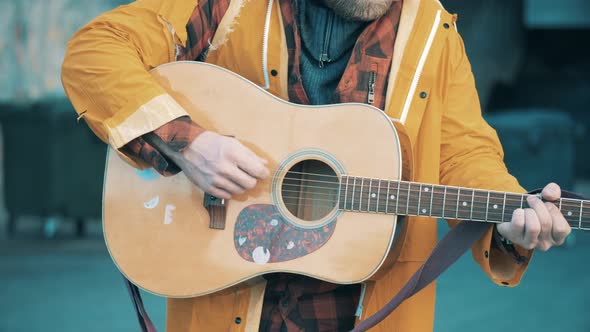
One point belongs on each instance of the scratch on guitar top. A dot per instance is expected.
(168, 214)
(152, 203)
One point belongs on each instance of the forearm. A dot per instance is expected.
(105, 72)
(162, 148)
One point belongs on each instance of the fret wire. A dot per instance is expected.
(346, 192)
(581, 206)
(378, 195)
(387, 198)
(408, 199)
(458, 199)
(353, 191)
(375, 198)
(472, 198)
(522, 201)
(444, 200)
(352, 196)
(488, 206)
(397, 198)
(419, 198)
(504, 207)
(585, 225)
(369, 194)
(342, 190)
(431, 199)
(361, 194)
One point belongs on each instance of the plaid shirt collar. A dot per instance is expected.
(365, 77)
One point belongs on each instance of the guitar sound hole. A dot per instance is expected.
(310, 190)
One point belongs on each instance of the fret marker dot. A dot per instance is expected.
(426, 189)
(423, 210)
(373, 195)
(569, 213)
(392, 196)
(495, 206)
(464, 203)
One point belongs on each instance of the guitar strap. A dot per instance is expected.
(142, 316)
(452, 246)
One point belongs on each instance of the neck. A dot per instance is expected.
(420, 199)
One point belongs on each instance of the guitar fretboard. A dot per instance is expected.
(419, 199)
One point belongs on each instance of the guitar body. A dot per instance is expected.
(159, 231)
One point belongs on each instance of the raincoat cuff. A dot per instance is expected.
(502, 268)
(147, 118)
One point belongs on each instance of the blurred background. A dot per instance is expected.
(532, 66)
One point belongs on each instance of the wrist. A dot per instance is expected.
(507, 247)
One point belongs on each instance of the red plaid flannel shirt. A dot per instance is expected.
(298, 302)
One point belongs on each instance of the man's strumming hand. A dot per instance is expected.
(539, 227)
(222, 166)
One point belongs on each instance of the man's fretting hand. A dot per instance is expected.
(539, 227)
(222, 166)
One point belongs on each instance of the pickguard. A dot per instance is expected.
(263, 236)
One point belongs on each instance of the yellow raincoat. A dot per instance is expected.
(431, 90)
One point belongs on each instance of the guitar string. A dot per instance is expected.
(436, 205)
(467, 215)
(575, 223)
(480, 206)
(434, 186)
(383, 180)
(414, 193)
(477, 209)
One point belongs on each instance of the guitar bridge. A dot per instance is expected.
(217, 211)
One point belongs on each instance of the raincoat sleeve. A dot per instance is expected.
(105, 70)
(471, 156)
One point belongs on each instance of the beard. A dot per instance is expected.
(359, 10)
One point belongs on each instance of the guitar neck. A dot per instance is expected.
(362, 194)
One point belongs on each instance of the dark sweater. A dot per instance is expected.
(327, 41)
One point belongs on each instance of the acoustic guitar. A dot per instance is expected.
(340, 177)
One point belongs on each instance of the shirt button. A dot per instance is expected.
(446, 25)
(238, 320)
(423, 94)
